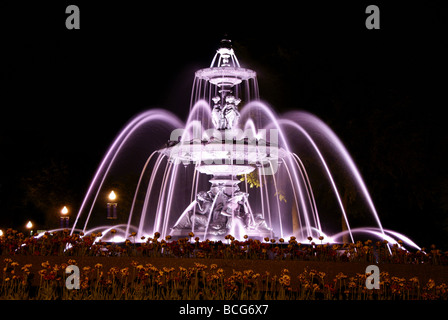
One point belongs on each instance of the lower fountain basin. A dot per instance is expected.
(225, 169)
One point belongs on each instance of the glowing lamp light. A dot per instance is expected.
(112, 196)
(1, 233)
(64, 218)
(29, 226)
(112, 206)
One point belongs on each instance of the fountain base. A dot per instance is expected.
(222, 210)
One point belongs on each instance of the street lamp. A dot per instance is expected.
(64, 218)
(112, 206)
(29, 226)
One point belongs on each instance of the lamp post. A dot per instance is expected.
(112, 206)
(29, 226)
(64, 218)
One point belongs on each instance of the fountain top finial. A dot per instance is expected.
(226, 42)
(225, 70)
(225, 56)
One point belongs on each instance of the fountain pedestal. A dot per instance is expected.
(222, 210)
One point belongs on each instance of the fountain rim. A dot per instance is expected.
(227, 75)
(197, 151)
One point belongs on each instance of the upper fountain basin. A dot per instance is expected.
(225, 76)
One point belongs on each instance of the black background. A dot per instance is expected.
(65, 94)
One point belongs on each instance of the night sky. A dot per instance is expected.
(65, 94)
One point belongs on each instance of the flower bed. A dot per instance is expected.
(132, 279)
(34, 268)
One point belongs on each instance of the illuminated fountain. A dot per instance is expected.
(224, 152)
(234, 167)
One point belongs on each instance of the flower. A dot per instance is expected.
(285, 280)
(341, 276)
(113, 271)
(200, 266)
(430, 284)
(168, 270)
(72, 262)
(414, 280)
(26, 268)
(124, 272)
